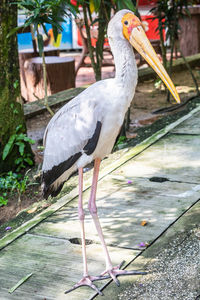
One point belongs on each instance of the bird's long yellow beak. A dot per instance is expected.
(140, 42)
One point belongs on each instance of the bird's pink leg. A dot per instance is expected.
(81, 216)
(112, 271)
(86, 280)
(93, 210)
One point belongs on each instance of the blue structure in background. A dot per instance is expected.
(24, 41)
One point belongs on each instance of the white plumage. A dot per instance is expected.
(86, 128)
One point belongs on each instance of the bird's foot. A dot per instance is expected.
(116, 271)
(88, 281)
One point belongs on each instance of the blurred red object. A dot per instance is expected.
(151, 26)
(73, 2)
(147, 2)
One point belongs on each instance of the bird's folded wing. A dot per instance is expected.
(74, 129)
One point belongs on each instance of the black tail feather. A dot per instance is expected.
(51, 191)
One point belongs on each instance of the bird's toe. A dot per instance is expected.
(117, 271)
(88, 281)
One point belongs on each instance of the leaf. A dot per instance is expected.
(32, 210)
(18, 127)
(45, 30)
(28, 160)
(95, 21)
(8, 146)
(55, 32)
(121, 139)
(27, 139)
(20, 282)
(40, 44)
(29, 21)
(73, 9)
(60, 19)
(93, 6)
(18, 160)
(13, 31)
(3, 201)
(143, 223)
(188, 12)
(21, 166)
(15, 84)
(21, 148)
(121, 4)
(129, 4)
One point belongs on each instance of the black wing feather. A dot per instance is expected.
(92, 142)
(50, 176)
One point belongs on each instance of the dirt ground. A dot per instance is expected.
(147, 99)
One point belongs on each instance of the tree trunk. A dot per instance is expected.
(11, 113)
(96, 53)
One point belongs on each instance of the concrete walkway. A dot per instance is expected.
(159, 187)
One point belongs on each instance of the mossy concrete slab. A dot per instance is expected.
(172, 262)
(156, 186)
(122, 211)
(176, 157)
(190, 126)
(56, 265)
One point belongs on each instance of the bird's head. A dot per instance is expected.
(125, 25)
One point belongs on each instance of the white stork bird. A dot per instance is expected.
(85, 129)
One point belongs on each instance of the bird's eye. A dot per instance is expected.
(125, 22)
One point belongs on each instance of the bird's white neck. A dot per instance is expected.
(126, 68)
